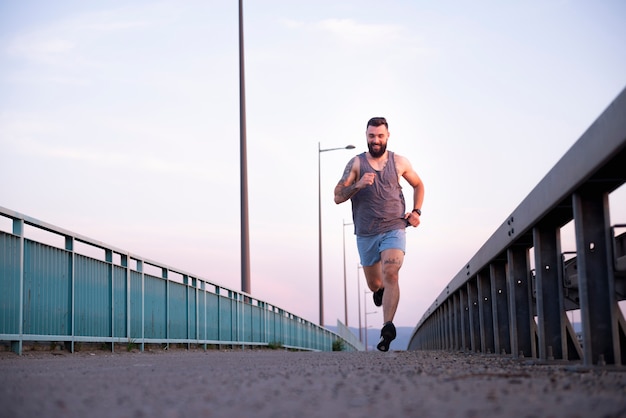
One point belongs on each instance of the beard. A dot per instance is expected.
(379, 153)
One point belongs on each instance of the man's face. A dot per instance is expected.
(377, 140)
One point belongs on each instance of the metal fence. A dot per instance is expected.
(348, 335)
(71, 289)
(498, 304)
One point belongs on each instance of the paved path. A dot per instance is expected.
(267, 383)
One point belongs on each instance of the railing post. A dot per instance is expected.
(474, 316)
(69, 246)
(449, 324)
(187, 310)
(485, 311)
(499, 296)
(439, 316)
(465, 322)
(596, 278)
(143, 304)
(520, 308)
(456, 314)
(18, 229)
(108, 257)
(125, 261)
(550, 305)
(167, 305)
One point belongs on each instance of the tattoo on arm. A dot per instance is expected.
(346, 192)
(346, 171)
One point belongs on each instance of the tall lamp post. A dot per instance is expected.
(358, 298)
(345, 281)
(365, 293)
(319, 221)
(243, 158)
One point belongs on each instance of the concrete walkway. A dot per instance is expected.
(278, 383)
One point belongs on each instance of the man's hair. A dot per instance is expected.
(377, 122)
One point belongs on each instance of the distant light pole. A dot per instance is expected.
(243, 166)
(319, 221)
(345, 284)
(365, 293)
(358, 298)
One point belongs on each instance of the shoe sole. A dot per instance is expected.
(384, 344)
(386, 337)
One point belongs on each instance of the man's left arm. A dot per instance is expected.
(411, 176)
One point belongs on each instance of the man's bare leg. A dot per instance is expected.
(384, 274)
(391, 262)
(374, 276)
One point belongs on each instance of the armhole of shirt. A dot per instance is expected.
(362, 166)
(392, 155)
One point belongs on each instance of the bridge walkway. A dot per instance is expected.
(280, 383)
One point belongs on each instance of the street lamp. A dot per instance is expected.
(358, 298)
(365, 293)
(243, 158)
(345, 285)
(319, 221)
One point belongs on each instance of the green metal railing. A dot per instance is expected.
(75, 289)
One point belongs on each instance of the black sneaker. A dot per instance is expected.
(378, 296)
(387, 335)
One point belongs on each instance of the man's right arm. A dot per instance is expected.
(346, 188)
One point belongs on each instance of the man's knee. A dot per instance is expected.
(373, 276)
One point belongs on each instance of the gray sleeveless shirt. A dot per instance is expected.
(380, 207)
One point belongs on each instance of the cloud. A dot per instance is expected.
(93, 156)
(352, 31)
(29, 146)
(75, 33)
(34, 46)
(392, 39)
(117, 25)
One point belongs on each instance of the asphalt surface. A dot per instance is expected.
(279, 383)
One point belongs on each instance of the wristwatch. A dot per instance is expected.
(418, 211)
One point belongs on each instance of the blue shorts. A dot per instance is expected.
(370, 247)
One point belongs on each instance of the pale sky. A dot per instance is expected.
(119, 120)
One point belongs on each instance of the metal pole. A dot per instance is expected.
(319, 222)
(365, 293)
(365, 312)
(358, 289)
(245, 239)
(345, 284)
(319, 232)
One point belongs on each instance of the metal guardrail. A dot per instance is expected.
(496, 304)
(76, 289)
(345, 333)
